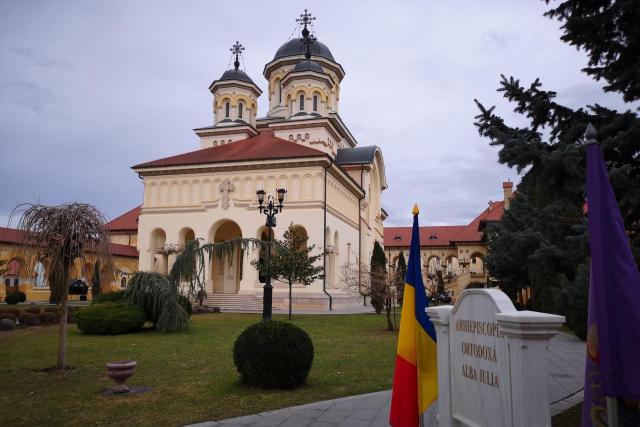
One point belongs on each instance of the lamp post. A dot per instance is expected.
(270, 209)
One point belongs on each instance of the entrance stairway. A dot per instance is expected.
(234, 303)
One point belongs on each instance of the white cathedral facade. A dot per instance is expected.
(334, 185)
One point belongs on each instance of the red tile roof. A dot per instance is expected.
(13, 236)
(445, 235)
(264, 146)
(128, 221)
(439, 235)
(123, 250)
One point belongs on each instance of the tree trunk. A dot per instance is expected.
(63, 287)
(387, 304)
(290, 301)
(62, 337)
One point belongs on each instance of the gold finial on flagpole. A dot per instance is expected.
(416, 210)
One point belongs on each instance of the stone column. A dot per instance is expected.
(528, 334)
(440, 318)
(249, 272)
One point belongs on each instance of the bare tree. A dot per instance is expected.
(358, 279)
(61, 234)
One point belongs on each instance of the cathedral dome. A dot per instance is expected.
(235, 74)
(308, 66)
(295, 47)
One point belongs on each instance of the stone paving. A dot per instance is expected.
(566, 377)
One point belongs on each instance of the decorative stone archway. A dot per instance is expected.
(226, 272)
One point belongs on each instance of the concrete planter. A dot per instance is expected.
(120, 371)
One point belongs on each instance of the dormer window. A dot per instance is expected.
(240, 105)
(227, 109)
(433, 237)
(315, 102)
(397, 237)
(301, 106)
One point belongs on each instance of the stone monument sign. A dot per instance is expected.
(492, 361)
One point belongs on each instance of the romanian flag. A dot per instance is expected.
(415, 382)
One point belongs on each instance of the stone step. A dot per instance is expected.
(234, 302)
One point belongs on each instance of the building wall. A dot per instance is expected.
(29, 283)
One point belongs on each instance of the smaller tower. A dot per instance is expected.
(235, 95)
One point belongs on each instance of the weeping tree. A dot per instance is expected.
(188, 271)
(62, 234)
(159, 298)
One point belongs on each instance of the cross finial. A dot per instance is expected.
(236, 50)
(305, 18)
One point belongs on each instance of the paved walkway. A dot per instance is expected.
(566, 376)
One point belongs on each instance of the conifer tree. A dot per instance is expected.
(401, 273)
(378, 277)
(96, 282)
(542, 241)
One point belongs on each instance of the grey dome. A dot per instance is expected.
(236, 74)
(308, 66)
(295, 47)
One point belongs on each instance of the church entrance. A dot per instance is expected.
(226, 272)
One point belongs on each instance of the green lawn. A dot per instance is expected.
(192, 374)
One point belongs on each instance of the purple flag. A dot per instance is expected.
(613, 335)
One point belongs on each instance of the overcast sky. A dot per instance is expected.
(88, 89)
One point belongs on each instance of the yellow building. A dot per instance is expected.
(30, 276)
(454, 252)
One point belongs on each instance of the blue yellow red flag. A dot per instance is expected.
(415, 381)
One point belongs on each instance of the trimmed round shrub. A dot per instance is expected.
(117, 296)
(110, 319)
(9, 316)
(7, 325)
(12, 299)
(22, 296)
(273, 354)
(29, 319)
(34, 310)
(48, 318)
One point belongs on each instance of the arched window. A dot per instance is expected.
(315, 102)
(301, 106)
(227, 107)
(279, 92)
(123, 282)
(240, 105)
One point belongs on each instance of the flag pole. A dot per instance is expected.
(612, 412)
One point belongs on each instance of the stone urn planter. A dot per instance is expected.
(120, 371)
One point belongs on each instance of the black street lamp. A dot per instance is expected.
(270, 210)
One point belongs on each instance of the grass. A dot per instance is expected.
(192, 374)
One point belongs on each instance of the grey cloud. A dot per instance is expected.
(88, 89)
(36, 58)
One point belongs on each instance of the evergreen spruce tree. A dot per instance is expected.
(378, 277)
(542, 241)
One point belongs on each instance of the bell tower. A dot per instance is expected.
(235, 95)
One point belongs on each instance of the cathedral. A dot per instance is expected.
(333, 184)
